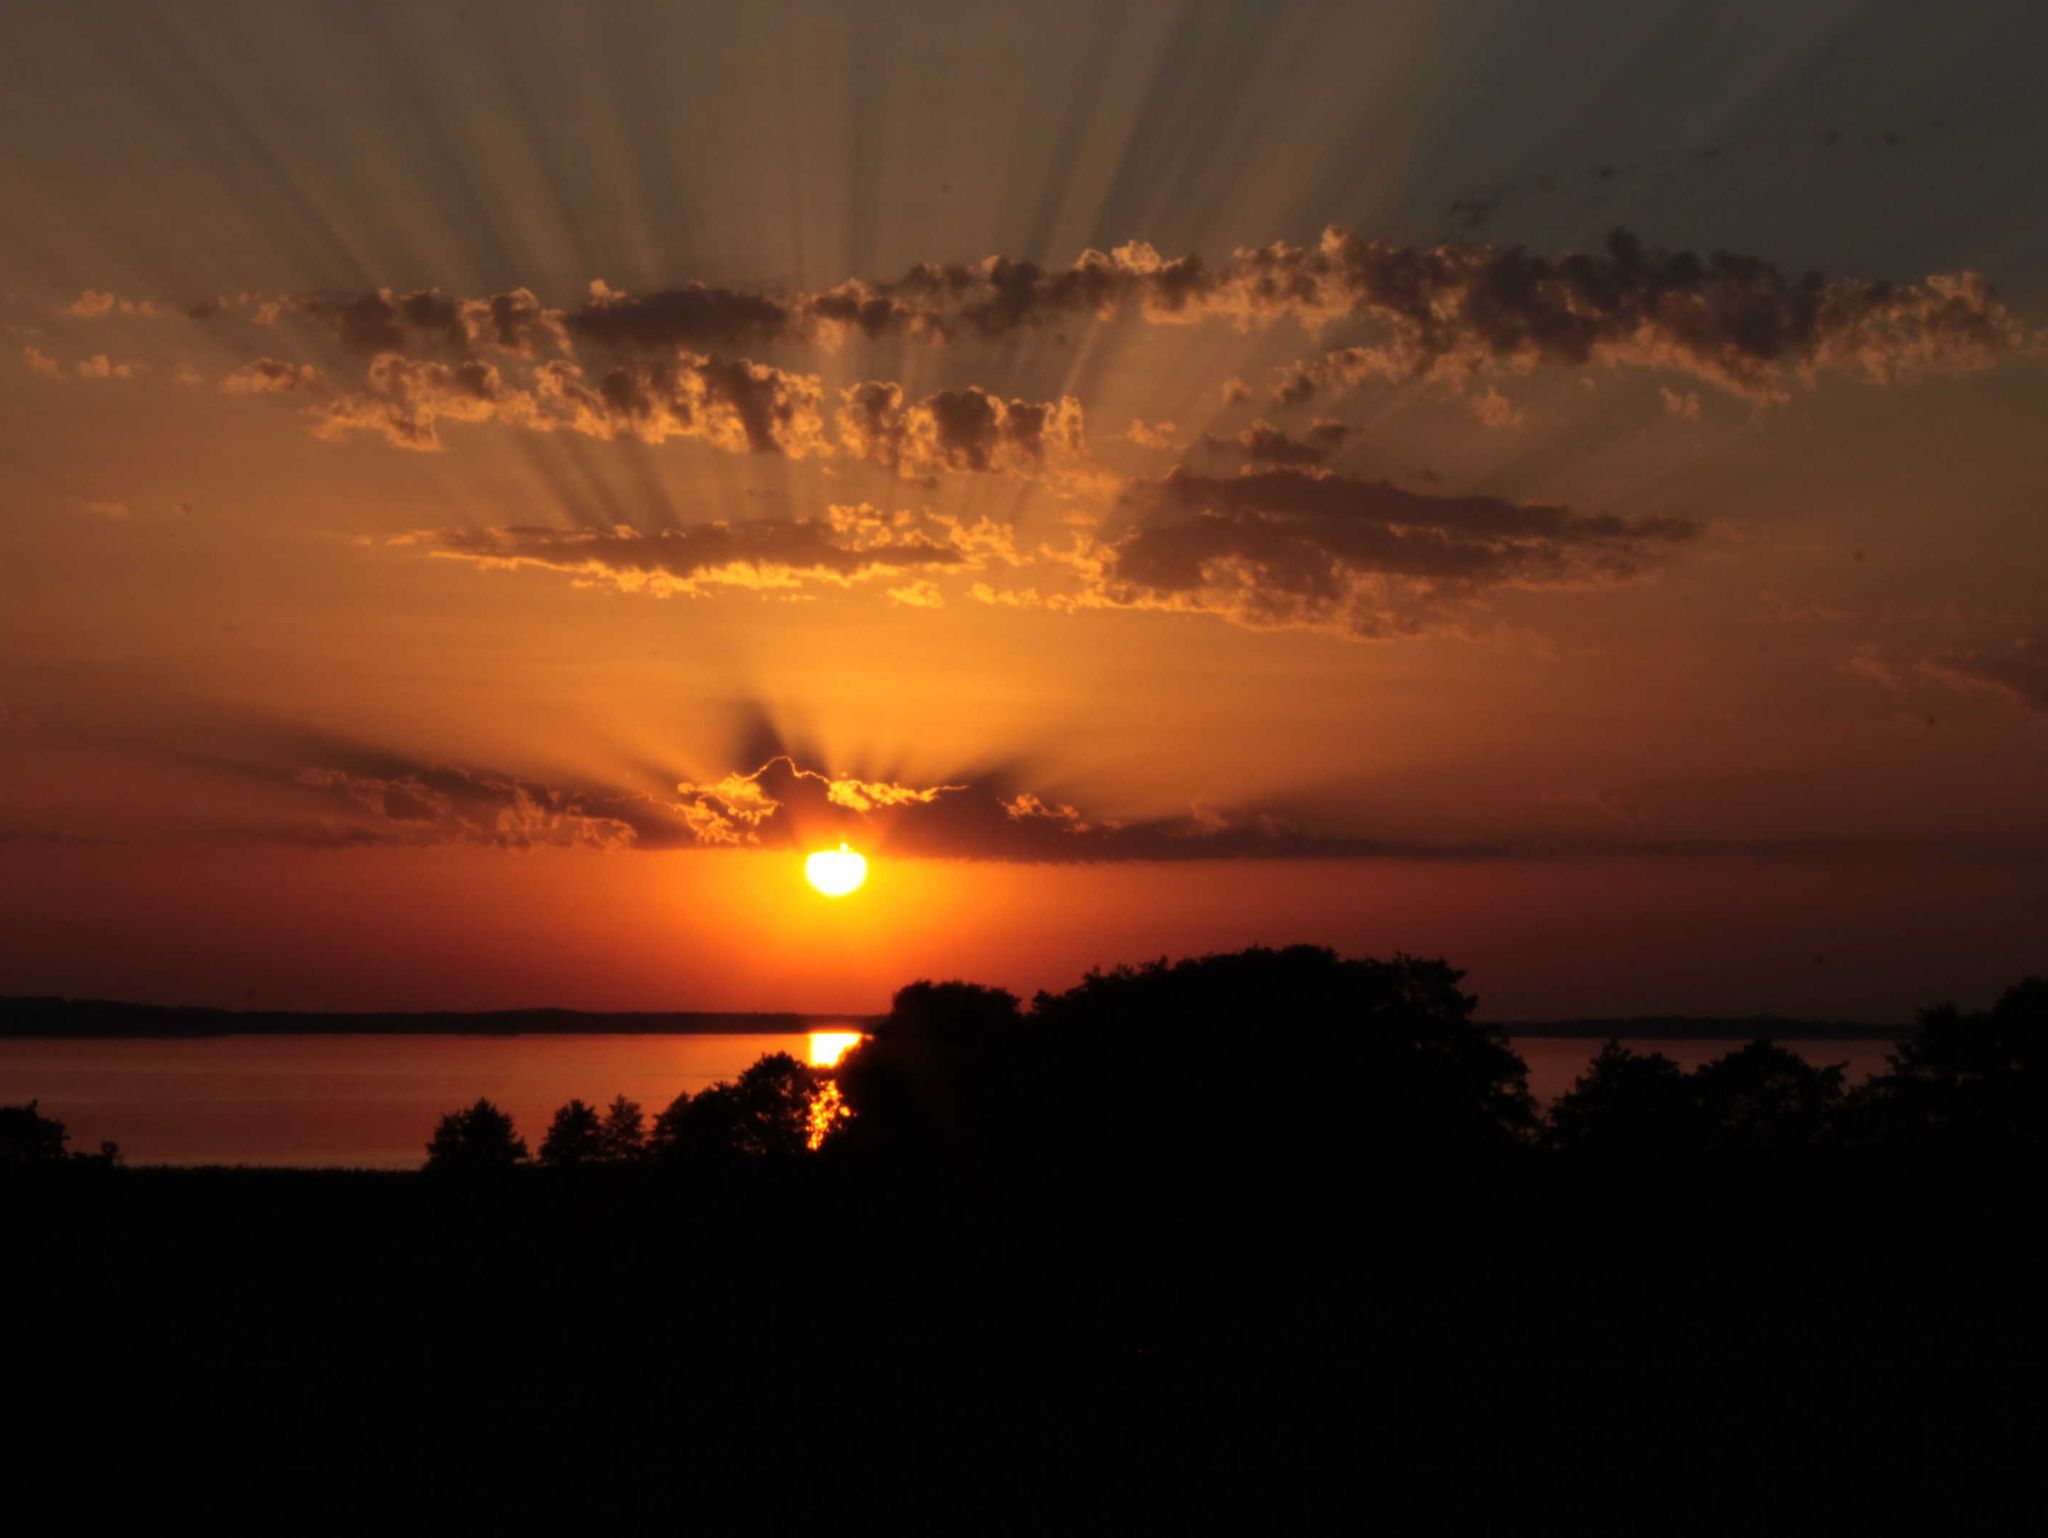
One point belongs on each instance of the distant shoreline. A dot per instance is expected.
(1684, 1028)
(50, 1019)
(56, 1019)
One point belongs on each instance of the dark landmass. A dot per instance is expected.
(59, 1018)
(56, 1018)
(321, 1352)
(1704, 1028)
(1084, 1268)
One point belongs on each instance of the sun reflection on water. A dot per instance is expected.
(828, 1107)
(828, 1047)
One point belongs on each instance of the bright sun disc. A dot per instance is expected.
(835, 872)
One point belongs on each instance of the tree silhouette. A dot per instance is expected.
(1765, 1096)
(478, 1139)
(1238, 1100)
(29, 1139)
(764, 1113)
(956, 1016)
(622, 1136)
(772, 1101)
(937, 1079)
(670, 1125)
(1627, 1103)
(575, 1136)
(1966, 1080)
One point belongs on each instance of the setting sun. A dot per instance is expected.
(836, 872)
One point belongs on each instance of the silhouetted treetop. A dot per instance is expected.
(475, 1140)
(1273, 1075)
(1976, 1080)
(764, 1113)
(28, 1138)
(954, 1014)
(1391, 1042)
(1760, 1096)
(575, 1136)
(1627, 1102)
(623, 1134)
(1766, 1096)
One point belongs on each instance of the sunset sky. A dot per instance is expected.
(485, 489)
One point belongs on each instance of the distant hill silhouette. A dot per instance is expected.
(86, 1018)
(61, 1017)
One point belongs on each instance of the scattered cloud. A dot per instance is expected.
(777, 557)
(1869, 664)
(1264, 444)
(269, 376)
(1737, 323)
(1680, 403)
(2017, 673)
(739, 407)
(1290, 547)
(437, 804)
(1283, 543)
(667, 364)
(100, 366)
(94, 366)
(1495, 410)
(966, 429)
(97, 304)
(736, 406)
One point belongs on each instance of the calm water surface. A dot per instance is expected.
(362, 1101)
(372, 1101)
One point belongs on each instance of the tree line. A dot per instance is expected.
(767, 1112)
(1229, 1108)
(1225, 1058)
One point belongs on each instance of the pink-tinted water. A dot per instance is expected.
(372, 1101)
(357, 1101)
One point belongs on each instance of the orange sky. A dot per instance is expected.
(480, 497)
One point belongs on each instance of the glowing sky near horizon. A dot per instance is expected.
(484, 491)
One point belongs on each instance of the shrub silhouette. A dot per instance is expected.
(30, 1140)
(575, 1136)
(475, 1140)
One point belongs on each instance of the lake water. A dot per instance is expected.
(372, 1101)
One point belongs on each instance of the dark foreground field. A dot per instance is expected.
(303, 1352)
